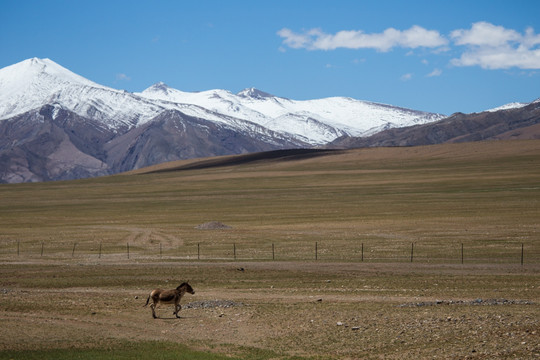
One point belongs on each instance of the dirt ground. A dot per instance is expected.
(307, 309)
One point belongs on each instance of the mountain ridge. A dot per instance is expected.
(57, 125)
(316, 121)
(517, 122)
(33, 83)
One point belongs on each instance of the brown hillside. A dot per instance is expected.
(472, 150)
(521, 123)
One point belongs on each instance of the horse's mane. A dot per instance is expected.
(182, 285)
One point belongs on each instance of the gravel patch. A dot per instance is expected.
(212, 225)
(484, 302)
(211, 304)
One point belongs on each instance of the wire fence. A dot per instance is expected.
(509, 252)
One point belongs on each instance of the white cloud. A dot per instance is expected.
(531, 39)
(435, 72)
(316, 39)
(122, 77)
(484, 34)
(495, 47)
(500, 58)
(406, 77)
(484, 44)
(293, 40)
(417, 36)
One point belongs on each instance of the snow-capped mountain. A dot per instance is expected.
(35, 82)
(508, 123)
(55, 124)
(514, 105)
(314, 121)
(510, 106)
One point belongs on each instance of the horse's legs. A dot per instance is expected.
(177, 308)
(153, 307)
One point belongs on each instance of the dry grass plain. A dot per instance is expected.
(67, 286)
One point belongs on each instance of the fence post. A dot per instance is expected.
(128, 250)
(198, 251)
(99, 256)
(273, 253)
(521, 254)
(18, 247)
(234, 250)
(73, 252)
(412, 251)
(362, 251)
(160, 251)
(461, 253)
(42, 248)
(316, 250)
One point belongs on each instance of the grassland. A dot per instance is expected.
(67, 284)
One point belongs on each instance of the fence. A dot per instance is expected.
(517, 253)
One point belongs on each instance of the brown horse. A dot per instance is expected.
(169, 297)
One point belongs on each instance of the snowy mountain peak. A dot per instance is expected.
(513, 105)
(40, 72)
(35, 82)
(510, 106)
(159, 87)
(254, 94)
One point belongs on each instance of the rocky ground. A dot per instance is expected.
(322, 310)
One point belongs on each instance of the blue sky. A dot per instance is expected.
(439, 56)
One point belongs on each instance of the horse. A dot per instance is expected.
(172, 296)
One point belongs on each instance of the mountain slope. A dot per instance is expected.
(47, 145)
(55, 124)
(173, 135)
(315, 121)
(521, 122)
(57, 144)
(33, 83)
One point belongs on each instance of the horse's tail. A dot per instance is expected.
(147, 301)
